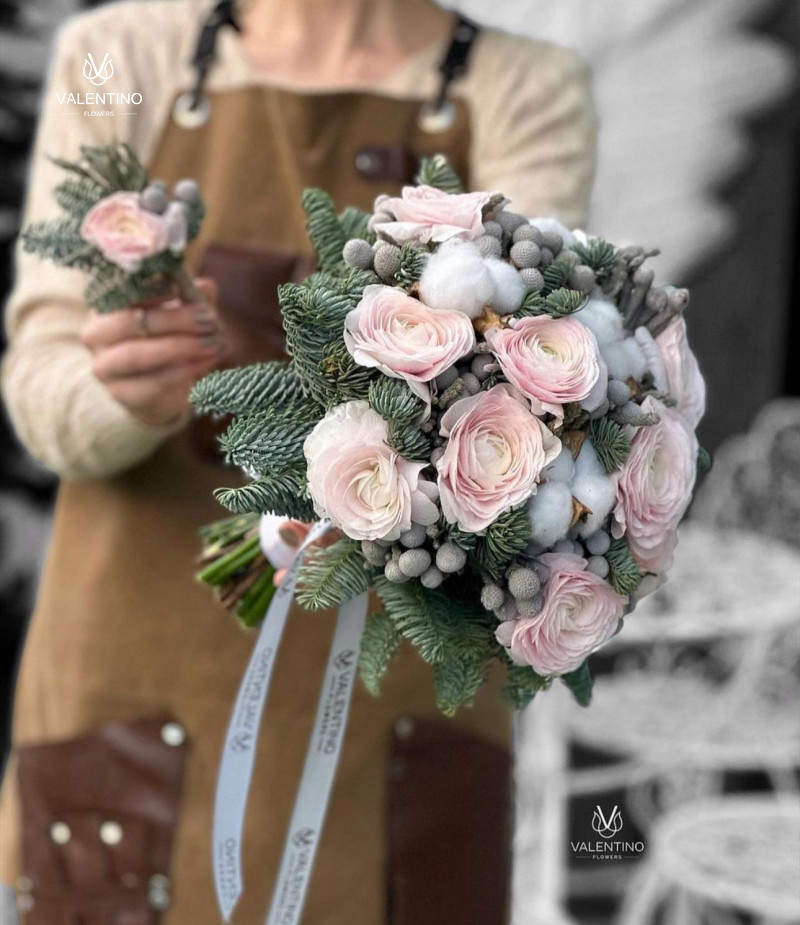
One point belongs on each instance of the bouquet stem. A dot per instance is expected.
(186, 287)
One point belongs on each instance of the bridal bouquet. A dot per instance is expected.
(125, 230)
(495, 414)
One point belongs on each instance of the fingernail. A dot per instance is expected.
(203, 316)
(209, 340)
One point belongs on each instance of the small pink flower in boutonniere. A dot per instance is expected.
(125, 232)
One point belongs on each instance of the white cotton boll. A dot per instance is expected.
(599, 494)
(550, 511)
(588, 462)
(655, 363)
(603, 319)
(509, 290)
(561, 469)
(547, 223)
(278, 553)
(456, 279)
(624, 359)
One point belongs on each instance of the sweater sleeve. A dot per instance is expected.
(533, 126)
(63, 415)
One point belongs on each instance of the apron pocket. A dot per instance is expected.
(98, 823)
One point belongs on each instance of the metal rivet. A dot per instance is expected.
(111, 832)
(188, 115)
(25, 902)
(365, 162)
(158, 891)
(60, 833)
(404, 727)
(173, 734)
(436, 119)
(24, 884)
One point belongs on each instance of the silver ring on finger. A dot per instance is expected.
(140, 321)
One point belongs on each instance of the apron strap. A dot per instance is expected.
(456, 61)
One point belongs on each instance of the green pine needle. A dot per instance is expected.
(704, 460)
(246, 389)
(324, 228)
(379, 644)
(506, 538)
(332, 575)
(580, 683)
(355, 223)
(409, 441)
(522, 685)
(597, 254)
(625, 576)
(412, 265)
(283, 494)
(611, 443)
(457, 681)
(394, 400)
(437, 172)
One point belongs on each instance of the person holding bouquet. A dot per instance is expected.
(130, 669)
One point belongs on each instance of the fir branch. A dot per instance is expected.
(244, 390)
(522, 685)
(562, 302)
(625, 576)
(457, 681)
(355, 223)
(57, 240)
(345, 380)
(580, 684)
(77, 196)
(409, 441)
(394, 400)
(283, 494)
(704, 460)
(324, 228)
(598, 254)
(437, 172)
(440, 626)
(453, 534)
(269, 441)
(611, 443)
(412, 265)
(379, 644)
(332, 575)
(556, 274)
(506, 538)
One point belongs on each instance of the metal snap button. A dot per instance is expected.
(111, 832)
(60, 833)
(366, 162)
(404, 727)
(158, 887)
(173, 734)
(435, 119)
(188, 114)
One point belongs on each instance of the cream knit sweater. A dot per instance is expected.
(532, 137)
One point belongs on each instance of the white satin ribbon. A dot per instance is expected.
(241, 739)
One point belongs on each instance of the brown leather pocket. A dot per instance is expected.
(448, 825)
(98, 822)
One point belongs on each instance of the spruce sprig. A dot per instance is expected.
(332, 575)
(379, 643)
(625, 575)
(611, 443)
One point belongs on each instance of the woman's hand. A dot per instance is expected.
(150, 356)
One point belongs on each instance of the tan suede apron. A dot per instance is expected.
(122, 633)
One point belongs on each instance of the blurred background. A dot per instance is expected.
(699, 152)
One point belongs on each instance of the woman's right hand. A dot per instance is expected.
(150, 356)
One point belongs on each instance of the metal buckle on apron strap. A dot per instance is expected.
(439, 115)
(192, 109)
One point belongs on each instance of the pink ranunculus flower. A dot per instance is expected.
(423, 214)
(124, 231)
(359, 482)
(655, 486)
(684, 381)
(580, 613)
(493, 458)
(552, 361)
(405, 339)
